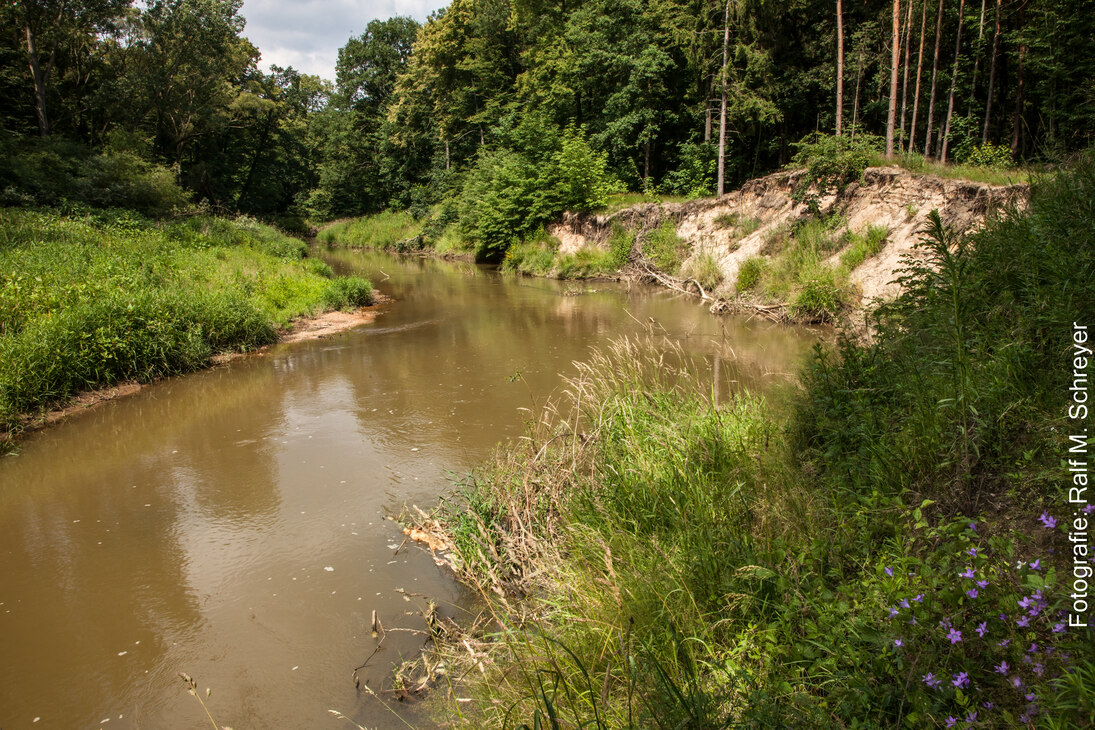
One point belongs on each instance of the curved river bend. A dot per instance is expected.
(231, 524)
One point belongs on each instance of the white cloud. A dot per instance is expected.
(307, 34)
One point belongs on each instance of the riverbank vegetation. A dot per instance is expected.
(505, 114)
(892, 552)
(90, 298)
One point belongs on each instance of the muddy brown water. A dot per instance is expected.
(231, 524)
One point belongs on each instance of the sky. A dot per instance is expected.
(306, 34)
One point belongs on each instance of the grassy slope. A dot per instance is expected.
(888, 558)
(92, 300)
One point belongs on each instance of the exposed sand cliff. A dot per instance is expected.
(887, 196)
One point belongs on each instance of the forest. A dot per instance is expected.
(499, 114)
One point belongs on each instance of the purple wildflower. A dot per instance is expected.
(1016, 681)
(1002, 668)
(893, 612)
(1058, 628)
(1088, 509)
(961, 680)
(905, 603)
(1036, 565)
(919, 598)
(1003, 643)
(1033, 648)
(972, 552)
(1023, 622)
(982, 583)
(973, 526)
(889, 571)
(898, 642)
(1039, 669)
(1031, 697)
(972, 593)
(982, 628)
(968, 573)
(931, 680)
(971, 717)
(951, 721)
(1047, 520)
(988, 705)
(955, 636)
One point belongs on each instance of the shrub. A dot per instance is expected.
(705, 269)
(750, 273)
(665, 248)
(512, 191)
(832, 162)
(53, 171)
(863, 246)
(348, 292)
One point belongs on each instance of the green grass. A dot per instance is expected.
(650, 557)
(539, 255)
(665, 249)
(383, 231)
(92, 300)
(974, 173)
(705, 269)
(862, 246)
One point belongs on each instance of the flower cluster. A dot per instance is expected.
(977, 632)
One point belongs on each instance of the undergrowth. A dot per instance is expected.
(93, 299)
(895, 555)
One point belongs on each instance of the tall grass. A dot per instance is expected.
(652, 558)
(92, 300)
(382, 230)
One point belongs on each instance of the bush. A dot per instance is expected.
(832, 162)
(54, 171)
(348, 292)
(512, 191)
(991, 155)
(694, 174)
(750, 273)
(664, 248)
(705, 270)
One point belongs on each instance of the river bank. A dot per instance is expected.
(781, 247)
(317, 327)
(108, 299)
(897, 549)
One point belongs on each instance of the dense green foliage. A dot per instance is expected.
(114, 296)
(895, 556)
(510, 111)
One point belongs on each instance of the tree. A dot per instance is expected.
(935, 73)
(46, 25)
(954, 83)
(919, 66)
(894, 59)
(721, 190)
(839, 66)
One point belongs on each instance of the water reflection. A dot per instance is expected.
(231, 524)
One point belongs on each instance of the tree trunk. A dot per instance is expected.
(977, 58)
(855, 104)
(903, 141)
(839, 67)
(954, 83)
(722, 113)
(935, 73)
(895, 57)
(919, 66)
(1017, 116)
(992, 76)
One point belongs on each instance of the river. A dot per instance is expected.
(233, 524)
